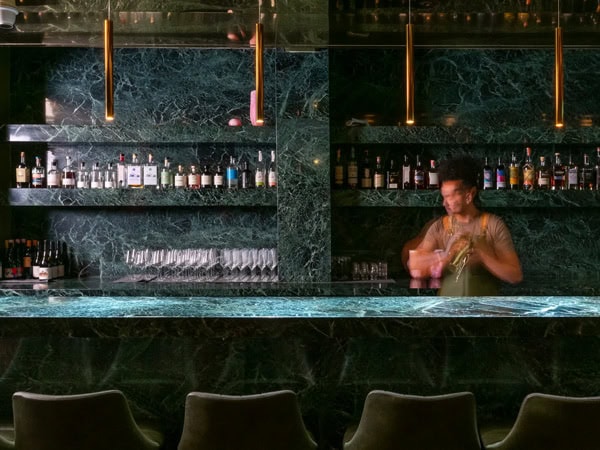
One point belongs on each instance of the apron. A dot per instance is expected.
(473, 281)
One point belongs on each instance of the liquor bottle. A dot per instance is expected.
(528, 171)
(35, 265)
(69, 175)
(352, 170)
(51, 261)
(27, 261)
(134, 173)
(392, 176)
(597, 169)
(572, 174)
(110, 177)
(23, 173)
(219, 178)
(586, 174)
(150, 174)
(232, 174)
(419, 175)
(259, 173)
(338, 181)
(44, 270)
(500, 175)
(366, 180)
(433, 179)
(206, 179)
(83, 177)
(406, 174)
(193, 180)
(180, 178)
(378, 175)
(558, 174)
(122, 171)
(38, 174)
(166, 175)
(272, 172)
(59, 267)
(53, 179)
(513, 173)
(543, 175)
(246, 176)
(96, 178)
(488, 175)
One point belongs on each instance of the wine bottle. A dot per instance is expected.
(500, 175)
(488, 176)
(246, 176)
(392, 176)
(406, 174)
(272, 172)
(419, 175)
(259, 173)
(528, 171)
(338, 181)
(352, 170)
(366, 181)
(543, 175)
(38, 174)
(513, 173)
(23, 173)
(134, 173)
(53, 179)
(180, 179)
(433, 179)
(27, 261)
(572, 175)
(69, 175)
(193, 180)
(586, 174)
(150, 174)
(206, 179)
(39, 251)
(378, 175)
(558, 174)
(219, 178)
(44, 270)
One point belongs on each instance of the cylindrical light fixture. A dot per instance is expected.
(109, 104)
(559, 92)
(259, 75)
(410, 76)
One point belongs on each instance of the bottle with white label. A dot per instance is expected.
(134, 173)
(272, 173)
(193, 178)
(219, 178)
(206, 179)
(150, 171)
(180, 179)
(122, 171)
(53, 180)
(110, 177)
(96, 178)
(259, 174)
(44, 265)
(69, 176)
(83, 177)
(166, 175)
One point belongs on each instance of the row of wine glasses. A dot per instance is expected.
(203, 264)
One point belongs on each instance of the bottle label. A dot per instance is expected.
(134, 176)
(272, 179)
(513, 176)
(232, 176)
(352, 174)
(8, 273)
(405, 176)
(53, 180)
(121, 174)
(109, 184)
(218, 180)
(165, 178)
(528, 176)
(194, 180)
(96, 184)
(179, 181)
(150, 175)
(573, 177)
(44, 273)
(488, 179)
(37, 180)
(22, 175)
(544, 181)
(378, 181)
(81, 184)
(434, 179)
(259, 179)
(27, 261)
(36, 271)
(339, 175)
(68, 182)
(206, 180)
(500, 179)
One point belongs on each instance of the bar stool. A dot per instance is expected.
(392, 421)
(267, 421)
(553, 422)
(92, 421)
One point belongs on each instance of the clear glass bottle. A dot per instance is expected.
(54, 178)
(69, 175)
(259, 173)
(246, 176)
(352, 170)
(378, 174)
(134, 173)
(38, 174)
(419, 175)
(96, 178)
(23, 173)
(543, 175)
(558, 174)
(206, 179)
(180, 178)
(83, 177)
(586, 174)
(193, 180)
(110, 177)
(572, 176)
(272, 172)
(338, 179)
(488, 175)
(166, 175)
(122, 171)
(150, 174)
(433, 179)
(219, 178)
(528, 171)
(500, 175)
(232, 174)
(514, 175)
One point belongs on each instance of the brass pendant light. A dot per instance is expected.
(258, 75)
(109, 103)
(558, 75)
(410, 73)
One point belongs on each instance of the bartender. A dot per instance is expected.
(471, 250)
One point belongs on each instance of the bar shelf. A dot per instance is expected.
(142, 197)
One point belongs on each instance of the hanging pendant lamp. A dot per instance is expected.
(258, 75)
(410, 73)
(109, 103)
(559, 92)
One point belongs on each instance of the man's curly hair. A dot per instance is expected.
(463, 167)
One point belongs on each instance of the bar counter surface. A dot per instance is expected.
(331, 349)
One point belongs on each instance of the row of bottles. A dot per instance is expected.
(138, 175)
(32, 259)
(364, 175)
(553, 175)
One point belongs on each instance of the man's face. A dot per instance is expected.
(455, 196)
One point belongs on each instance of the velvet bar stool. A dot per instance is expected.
(552, 422)
(93, 421)
(392, 421)
(268, 421)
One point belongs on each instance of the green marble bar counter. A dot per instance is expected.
(331, 349)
